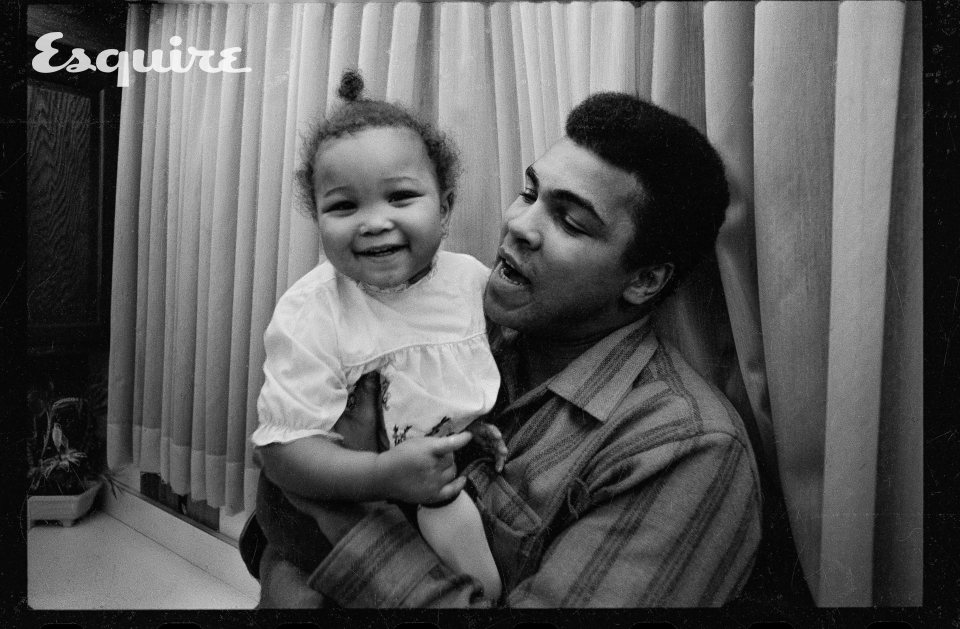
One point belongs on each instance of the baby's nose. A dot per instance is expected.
(376, 222)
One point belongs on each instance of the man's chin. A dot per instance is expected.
(500, 311)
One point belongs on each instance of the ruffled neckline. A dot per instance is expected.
(399, 288)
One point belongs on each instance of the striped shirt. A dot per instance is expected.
(630, 483)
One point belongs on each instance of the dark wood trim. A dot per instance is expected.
(13, 313)
(104, 98)
(76, 22)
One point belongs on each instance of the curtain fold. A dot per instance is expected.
(126, 290)
(794, 84)
(467, 111)
(271, 86)
(808, 317)
(224, 225)
(241, 416)
(506, 88)
(869, 43)
(898, 533)
(728, 76)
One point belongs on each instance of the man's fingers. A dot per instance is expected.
(500, 457)
(446, 445)
(497, 445)
(491, 440)
(366, 389)
(360, 423)
(488, 433)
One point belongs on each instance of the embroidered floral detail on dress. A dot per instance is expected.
(351, 397)
(384, 392)
(440, 430)
(400, 436)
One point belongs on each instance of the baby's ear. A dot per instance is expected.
(446, 206)
(446, 201)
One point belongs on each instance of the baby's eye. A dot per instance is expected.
(402, 195)
(340, 206)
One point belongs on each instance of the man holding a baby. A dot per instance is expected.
(629, 480)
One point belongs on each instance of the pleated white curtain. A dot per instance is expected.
(809, 317)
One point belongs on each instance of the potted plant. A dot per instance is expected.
(67, 465)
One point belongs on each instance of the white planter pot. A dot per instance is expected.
(66, 509)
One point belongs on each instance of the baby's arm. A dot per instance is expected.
(419, 470)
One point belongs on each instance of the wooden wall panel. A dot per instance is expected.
(63, 257)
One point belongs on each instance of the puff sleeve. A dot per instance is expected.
(305, 389)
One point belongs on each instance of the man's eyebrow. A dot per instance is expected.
(562, 194)
(532, 175)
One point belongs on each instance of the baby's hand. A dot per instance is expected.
(489, 438)
(422, 470)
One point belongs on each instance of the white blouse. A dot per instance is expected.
(428, 341)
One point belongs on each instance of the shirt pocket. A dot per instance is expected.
(514, 529)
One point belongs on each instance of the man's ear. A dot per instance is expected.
(647, 283)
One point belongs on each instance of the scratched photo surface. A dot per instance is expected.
(164, 221)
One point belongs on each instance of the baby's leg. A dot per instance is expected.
(290, 532)
(455, 532)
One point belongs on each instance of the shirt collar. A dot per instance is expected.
(597, 380)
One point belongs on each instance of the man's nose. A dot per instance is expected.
(522, 224)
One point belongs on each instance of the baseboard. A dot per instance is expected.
(212, 553)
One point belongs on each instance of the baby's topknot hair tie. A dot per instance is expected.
(351, 86)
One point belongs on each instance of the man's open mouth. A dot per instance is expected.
(381, 251)
(510, 273)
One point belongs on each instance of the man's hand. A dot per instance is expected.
(361, 424)
(489, 438)
(422, 470)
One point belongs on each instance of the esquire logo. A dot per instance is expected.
(122, 62)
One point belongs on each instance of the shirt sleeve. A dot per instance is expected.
(686, 536)
(305, 388)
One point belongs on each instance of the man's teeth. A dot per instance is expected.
(511, 274)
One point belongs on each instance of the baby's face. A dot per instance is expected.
(380, 213)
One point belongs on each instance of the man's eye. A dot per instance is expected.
(572, 227)
(528, 194)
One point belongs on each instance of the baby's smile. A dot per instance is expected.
(380, 251)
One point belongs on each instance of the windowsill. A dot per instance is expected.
(210, 551)
(231, 526)
(127, 489)
(101, 563)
